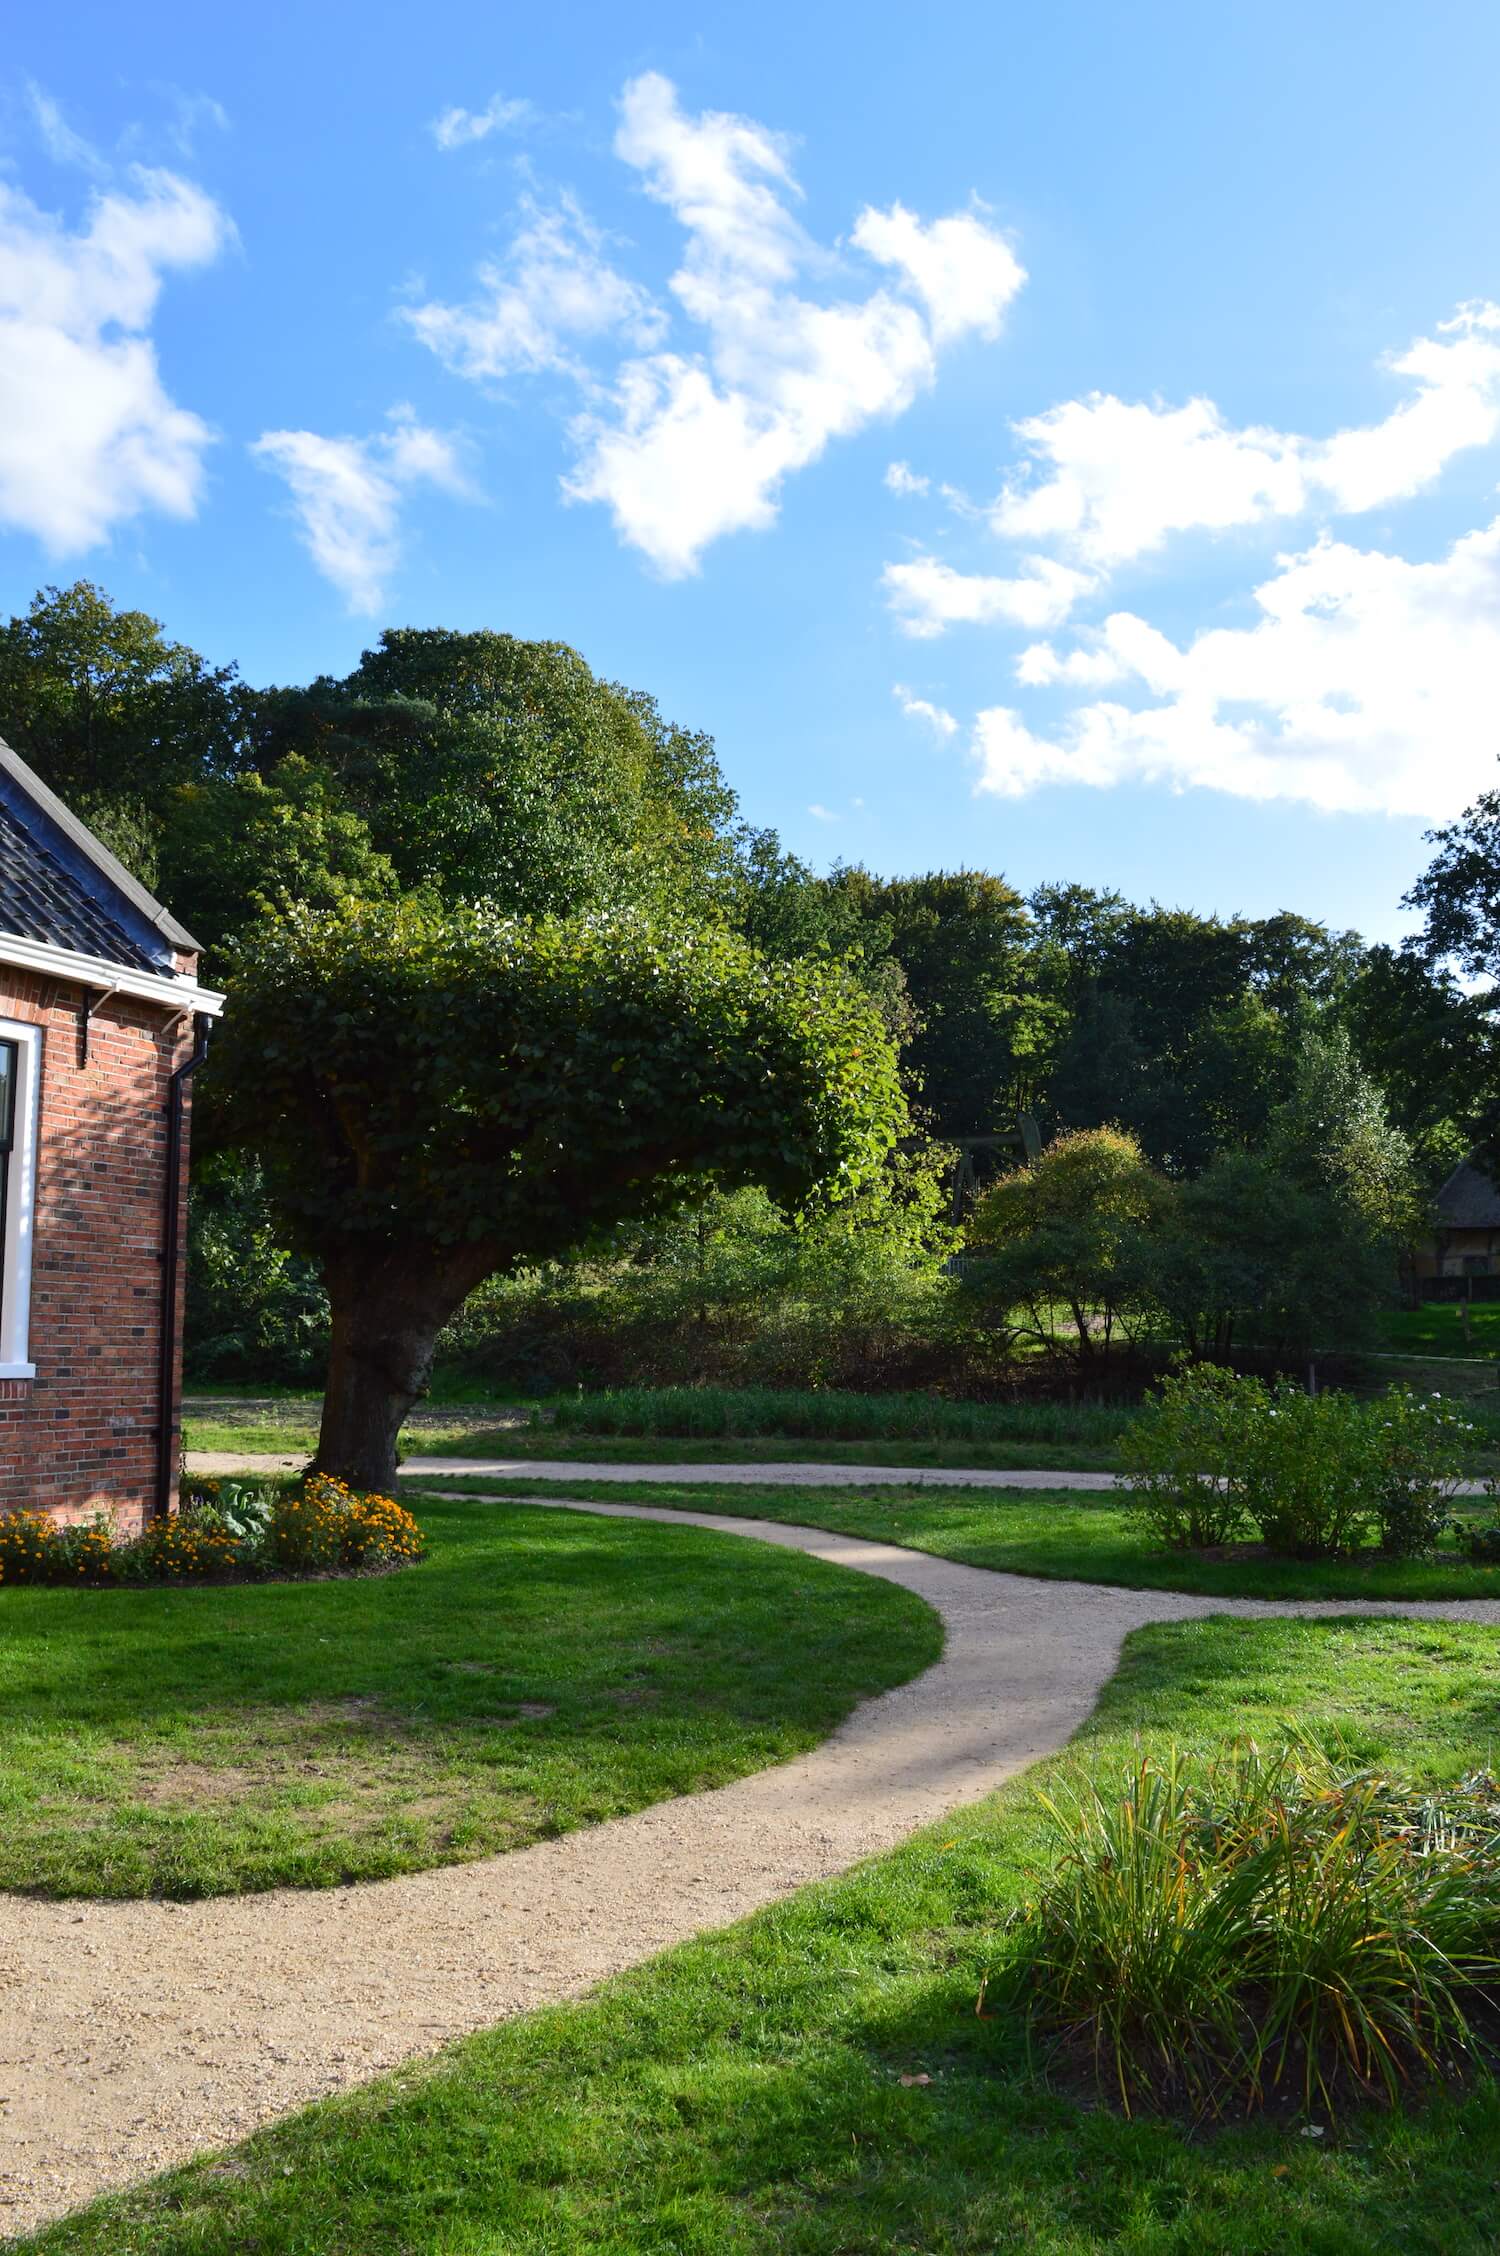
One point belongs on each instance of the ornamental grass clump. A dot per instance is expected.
(1262, 1930)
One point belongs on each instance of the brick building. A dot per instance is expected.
(101, 1023)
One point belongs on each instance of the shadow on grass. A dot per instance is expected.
(536, 1672)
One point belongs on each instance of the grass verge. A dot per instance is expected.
(535, 1673)
(815, 2082)
(768, 1449)
(1065, 1535)
(1438, 1328)
(259, 1436)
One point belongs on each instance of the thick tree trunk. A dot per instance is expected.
(387, 1313)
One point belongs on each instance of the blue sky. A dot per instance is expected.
(1060, 440)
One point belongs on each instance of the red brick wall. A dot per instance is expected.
(81, 1436)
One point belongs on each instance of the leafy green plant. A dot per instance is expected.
(1424, 1446)
(1265, 1926)
(1308, 1469)
(1181, 1456)
(1318, 1476)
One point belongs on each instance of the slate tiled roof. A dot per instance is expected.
(1469, 1200)
(40, 899)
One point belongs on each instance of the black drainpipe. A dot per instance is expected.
(166, 1377)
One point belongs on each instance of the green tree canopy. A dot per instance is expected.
(489, 768)
(983, 1034)
(437, 1095)
(238, 846)
(1430, 1047)
(1333, 1134)
(1249, 1255)
(1068, 1241)
(106, 708)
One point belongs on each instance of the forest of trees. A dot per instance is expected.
(1239, 1065)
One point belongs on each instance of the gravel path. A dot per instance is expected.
(133, 2035)
(778, 1475)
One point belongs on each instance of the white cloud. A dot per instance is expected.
(456, 127)
(693, 446)
(1367, 684)
(554, 289)
(935, 717)
(347, 496)
(900, 478)
(89, 437)
(822, 814)
(62, 144)
(723, 179)
(928, 597)
(1114, 479)
(683, 443)
(191, 113)
(964, 272)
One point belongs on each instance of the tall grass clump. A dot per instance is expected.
(1264, 1929)
(828, 1415)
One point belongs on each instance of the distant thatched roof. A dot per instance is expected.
(1469, 1200)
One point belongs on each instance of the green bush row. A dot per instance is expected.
(1215, 1457)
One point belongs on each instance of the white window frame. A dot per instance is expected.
(20, 1205)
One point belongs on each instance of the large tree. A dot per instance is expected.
(438, 1095)
(491, 768)
(107, 708)
(1065, 1245)
(1431, 1046)
(982, 1033)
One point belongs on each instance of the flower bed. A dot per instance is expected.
(224, 1531)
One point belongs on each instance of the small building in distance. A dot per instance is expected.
(1462, 1261)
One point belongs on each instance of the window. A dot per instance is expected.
(20, 1079)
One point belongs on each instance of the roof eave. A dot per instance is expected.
(176, 991)
(79, 835)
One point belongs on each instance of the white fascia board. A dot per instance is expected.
(179, 994)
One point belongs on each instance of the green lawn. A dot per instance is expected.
(257, 1434)
(743, 2096)
(1437, 1328)
(768, 1449)
(1065, 1534)
(535, 1673)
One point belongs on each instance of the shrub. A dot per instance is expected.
(1316, 1476)
(1183, 1453)
(1423, 1441)
(1261, 1927)
(1309, 1472)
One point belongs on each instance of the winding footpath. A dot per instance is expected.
(779, 1474)
(133, 2035)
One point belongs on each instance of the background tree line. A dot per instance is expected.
(1245, 1065)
